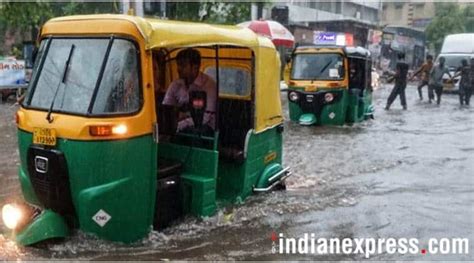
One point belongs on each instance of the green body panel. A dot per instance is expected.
(335, 114)
(236, 181)
(117, 177)
(368, 106)
(199, 177)
(47, 225)
(293, 108)
(26, 187)
(348, 109)
(295, 111)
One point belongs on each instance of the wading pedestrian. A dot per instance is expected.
(425, 71)
(436, 80)
(401, 71)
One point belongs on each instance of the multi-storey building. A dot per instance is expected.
(356, 17)
(415, 14)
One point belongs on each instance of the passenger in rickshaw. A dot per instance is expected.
(191, 80)
(355, 75)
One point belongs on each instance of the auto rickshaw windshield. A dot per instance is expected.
(321, 66)
(86, 76)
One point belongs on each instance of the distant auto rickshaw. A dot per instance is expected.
(100, 152)
(330, 85)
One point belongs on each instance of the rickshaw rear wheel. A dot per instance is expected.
(280, 187)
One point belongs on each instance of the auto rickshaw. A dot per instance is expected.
(100, 152)
(330, 85)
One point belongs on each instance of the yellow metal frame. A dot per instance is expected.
(316, 85)
(152, 34)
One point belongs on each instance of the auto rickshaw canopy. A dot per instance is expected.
(168, 34)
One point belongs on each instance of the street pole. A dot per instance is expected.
(163, 8)
(259, 10)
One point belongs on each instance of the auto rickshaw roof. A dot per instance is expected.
(357, 52)
(169, 33)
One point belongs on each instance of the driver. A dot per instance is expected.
(190, 79)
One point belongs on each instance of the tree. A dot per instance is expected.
(25, 18)
(448, 20)
(209, 11)
(226, 12)
(468, 15)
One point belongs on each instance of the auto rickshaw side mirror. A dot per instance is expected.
(198, 102)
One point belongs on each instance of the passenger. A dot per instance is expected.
(436, 80)
(191, 79)
(465, 88)
(355, 76)
(400, 83)
(425, 70)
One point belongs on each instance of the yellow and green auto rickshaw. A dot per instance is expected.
(100, 152)
(330, 85)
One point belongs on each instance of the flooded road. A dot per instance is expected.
(406, 174)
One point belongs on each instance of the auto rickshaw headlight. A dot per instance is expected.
(119, 129)
(328, 97)
(293, 96)
(107, 130)
(11, 215)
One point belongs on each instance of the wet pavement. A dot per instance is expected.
(406, 174)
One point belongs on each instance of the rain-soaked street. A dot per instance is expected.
(406, 174)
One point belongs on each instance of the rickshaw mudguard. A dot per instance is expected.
(267, 173)
(307, 119)
(45, 226)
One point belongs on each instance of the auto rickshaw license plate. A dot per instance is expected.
(44, 136)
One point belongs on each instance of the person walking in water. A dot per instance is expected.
(401, 71)
(436, 80)
(465, 88)
(425, 70)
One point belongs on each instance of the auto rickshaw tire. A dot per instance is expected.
(280, 187)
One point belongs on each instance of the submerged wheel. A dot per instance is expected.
(280, 187)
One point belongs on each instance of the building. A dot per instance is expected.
(415, 14)
(306, 18)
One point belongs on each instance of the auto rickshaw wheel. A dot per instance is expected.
(280, 187)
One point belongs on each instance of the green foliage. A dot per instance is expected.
(209, 11)
(28, 15)
(468, 14)
(186, 11)
(226, 12)
(448, 19)
(25, 15)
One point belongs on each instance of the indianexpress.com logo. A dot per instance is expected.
(309, 244)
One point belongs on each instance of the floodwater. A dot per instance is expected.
(406, 174)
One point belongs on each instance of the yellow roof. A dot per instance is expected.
(170, 33)
(158, 33)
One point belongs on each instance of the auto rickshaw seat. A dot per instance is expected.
(168, 167)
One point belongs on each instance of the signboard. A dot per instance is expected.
(325, 38)
(333, 38)
(12, 72)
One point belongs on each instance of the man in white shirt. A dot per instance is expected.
(191, 79)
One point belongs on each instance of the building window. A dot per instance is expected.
(419, 6)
